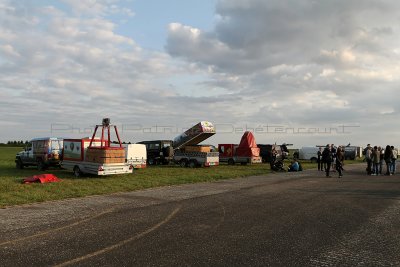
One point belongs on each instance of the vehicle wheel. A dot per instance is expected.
(231, 162)
(243, 163)
(41, 166)
(313, 160)
(192, 164)
(19, 164)
(182, 163)
(151, 161)
(77, 171)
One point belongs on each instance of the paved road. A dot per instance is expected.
(285, 219)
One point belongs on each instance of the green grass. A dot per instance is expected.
(13, 192)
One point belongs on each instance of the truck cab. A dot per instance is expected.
(159, 151)
(42, 153)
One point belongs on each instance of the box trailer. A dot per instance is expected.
(136, 155)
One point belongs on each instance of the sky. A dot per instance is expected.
(303, 72)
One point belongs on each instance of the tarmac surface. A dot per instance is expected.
(282, 219)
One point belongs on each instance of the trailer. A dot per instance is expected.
(228, 153)
(95, 155)
(77, 159)
(244, 153)
(187, 152)
(136, 155)
(196, 159)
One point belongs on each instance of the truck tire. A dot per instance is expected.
(41, 166)
(77, 172)
(313, 160)
(193, 164)
(151, 161)
(231, 162)
(19, 164)
(183, 163)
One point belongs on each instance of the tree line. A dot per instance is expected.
(15, 143)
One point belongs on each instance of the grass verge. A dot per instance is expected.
(13, 192)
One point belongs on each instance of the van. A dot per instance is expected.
(309, 153)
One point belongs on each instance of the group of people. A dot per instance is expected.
(331, 158)
(376, 156)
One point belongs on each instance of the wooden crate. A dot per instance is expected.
(104, 156)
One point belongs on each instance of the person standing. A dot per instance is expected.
(333, 151)
(375, 161)
(339, 161)
(381, 155)
(368, 155)
(327, 159)
(319, 159)
(394, 157)
(388, 159)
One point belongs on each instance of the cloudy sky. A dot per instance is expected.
(305, 72)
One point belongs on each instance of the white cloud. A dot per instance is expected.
(285, 62)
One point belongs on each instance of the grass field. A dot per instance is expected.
(13, 192)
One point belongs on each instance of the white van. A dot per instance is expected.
(309, 153)
(136, 155)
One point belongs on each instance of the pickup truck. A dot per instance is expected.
(42, 153)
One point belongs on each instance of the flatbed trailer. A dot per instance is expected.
(84, 167)
(232, 160)
(196, 159)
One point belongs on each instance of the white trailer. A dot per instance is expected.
(84, 167)
(136, 155)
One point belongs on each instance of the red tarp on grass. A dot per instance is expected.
(41, 178)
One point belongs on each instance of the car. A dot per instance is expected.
(42, 153)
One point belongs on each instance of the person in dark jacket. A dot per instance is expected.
(319, 159)
(387, 157)
(327, 159)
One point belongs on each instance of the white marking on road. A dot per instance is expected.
(119, 244)
(56, 229)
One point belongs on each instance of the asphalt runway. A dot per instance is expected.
(282, 219)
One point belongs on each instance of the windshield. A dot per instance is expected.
(56, 145)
